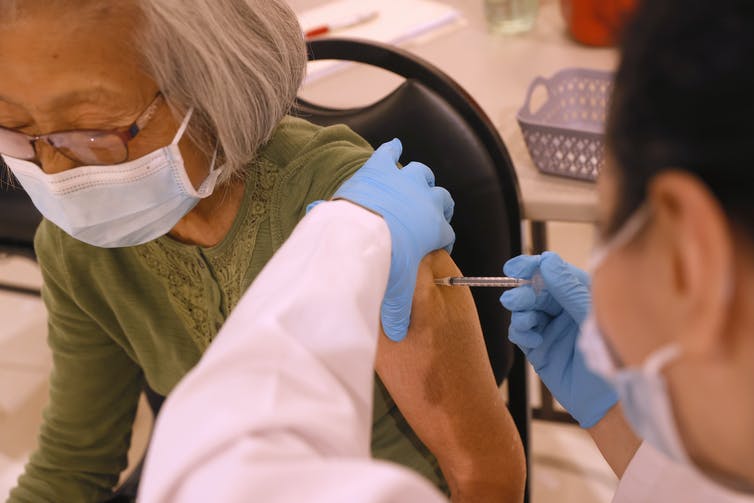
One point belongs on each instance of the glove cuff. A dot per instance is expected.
(606, 402)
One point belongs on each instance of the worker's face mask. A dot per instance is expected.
(642, 390)
(120, 205)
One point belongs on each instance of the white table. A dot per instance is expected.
(496, 71)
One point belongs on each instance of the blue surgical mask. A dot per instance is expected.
(121, 205)
(642, 390)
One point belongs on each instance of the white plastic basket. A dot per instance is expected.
(565, 136)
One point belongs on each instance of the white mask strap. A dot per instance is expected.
(208, 185)
(183, 127)
(624, 236)
(591, 342)
(212, 162)
(660, 358)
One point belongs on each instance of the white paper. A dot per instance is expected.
(397, 22)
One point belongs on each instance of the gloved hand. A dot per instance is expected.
(416, 212)
(545, 326)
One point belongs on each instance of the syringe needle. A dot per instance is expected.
(483, 281)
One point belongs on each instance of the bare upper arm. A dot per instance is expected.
(441, 380)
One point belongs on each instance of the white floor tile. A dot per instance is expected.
(20, 271)
(18, 433)
(10, 469)
(25, 359)
(567, 467)
(25, 364)
(17, 387)
(23, 332)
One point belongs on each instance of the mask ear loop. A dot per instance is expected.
(208, 185)
(655, 363)
(212, 168)
(184, 125)
(179, 134)
(624, 236)
(593, 347)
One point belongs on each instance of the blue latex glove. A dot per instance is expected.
(546, 325)
(416, 212)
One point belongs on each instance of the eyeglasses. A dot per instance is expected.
(85, 146)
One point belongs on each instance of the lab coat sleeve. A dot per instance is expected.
(279, 409)
(652, 477)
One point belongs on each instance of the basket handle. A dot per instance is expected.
(539, 81)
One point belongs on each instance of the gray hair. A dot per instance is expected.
(237, 63)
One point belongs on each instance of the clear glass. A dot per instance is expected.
(508, 17)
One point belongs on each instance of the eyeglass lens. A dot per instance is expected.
(16, 145)
(86, 147)
(90, 147)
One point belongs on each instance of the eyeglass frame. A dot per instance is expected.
(125, 134)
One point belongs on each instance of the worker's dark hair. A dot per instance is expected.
(684, 98)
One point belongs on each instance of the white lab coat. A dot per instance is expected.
(652, 478)
(279, 409)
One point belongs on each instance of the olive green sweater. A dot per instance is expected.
(121, 317)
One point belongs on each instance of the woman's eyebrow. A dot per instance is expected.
(94, 95)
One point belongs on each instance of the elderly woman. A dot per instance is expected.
(153, 137)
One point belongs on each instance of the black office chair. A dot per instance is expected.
(18, 221)
(443, 127)
(18, 216)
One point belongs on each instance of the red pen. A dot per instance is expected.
(341, 24)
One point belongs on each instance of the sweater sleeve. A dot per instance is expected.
(94, 391)
(316, 161)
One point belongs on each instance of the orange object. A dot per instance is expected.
(597, 22)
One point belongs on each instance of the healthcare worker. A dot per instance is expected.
(279, 408)
(662, 370)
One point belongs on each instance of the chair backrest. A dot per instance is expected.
(443, 127)
(18, 216)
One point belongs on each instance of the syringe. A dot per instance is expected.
(492, 281)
